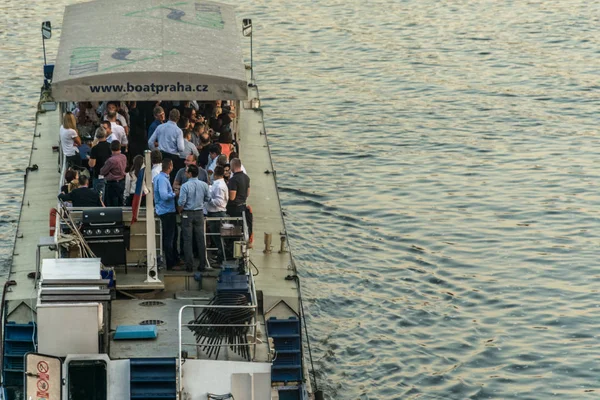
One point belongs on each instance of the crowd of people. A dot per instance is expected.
(196, 170)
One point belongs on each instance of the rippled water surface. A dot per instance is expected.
(438, 165)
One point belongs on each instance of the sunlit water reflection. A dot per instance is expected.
(437, 166)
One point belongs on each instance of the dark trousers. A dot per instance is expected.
(192, 230)
(74, 160)
(177, 164)
(169, 225)
(236, 211)
(114, 193)
(215, 227)
(129, 201)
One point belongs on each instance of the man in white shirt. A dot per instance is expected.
(112, 115)
(115, 132)
(216, 207)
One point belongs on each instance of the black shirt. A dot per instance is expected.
(203, 156)
(82, 197)
(100, 152)
(240, 182)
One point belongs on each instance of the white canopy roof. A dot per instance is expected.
(149, 50)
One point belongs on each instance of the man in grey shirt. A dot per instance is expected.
(192, 196)
(181, 176)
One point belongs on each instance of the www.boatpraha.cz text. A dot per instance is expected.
(152, 88)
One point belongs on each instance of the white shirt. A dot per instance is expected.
(156, 168)
(67, 142)
(121, 119)
(118, 133)
(130, 183)
(211, 167)
(219, 196)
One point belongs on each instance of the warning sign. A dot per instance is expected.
(43, 377)
(42, 366)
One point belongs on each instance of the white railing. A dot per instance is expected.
(253, 326)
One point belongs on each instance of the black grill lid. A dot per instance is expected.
(102, 216)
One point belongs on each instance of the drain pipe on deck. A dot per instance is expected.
(7, 284)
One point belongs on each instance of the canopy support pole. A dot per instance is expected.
(151, 262)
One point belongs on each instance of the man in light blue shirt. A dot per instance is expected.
(164, 200)
(170, 141)
(192, 196)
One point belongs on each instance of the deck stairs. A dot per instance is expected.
(153, 378)
(19, 339)
(286, 371)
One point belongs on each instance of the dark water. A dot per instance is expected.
(437, 162)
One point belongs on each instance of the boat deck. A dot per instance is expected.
(41, 189)
(279, 296)
(268, 218)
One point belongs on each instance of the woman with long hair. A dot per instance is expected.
(70, 140)
(131, 179)
(226, 143)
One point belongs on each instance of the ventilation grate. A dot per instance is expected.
(156, 322)
(152, 303)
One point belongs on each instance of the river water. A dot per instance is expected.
(437, 166)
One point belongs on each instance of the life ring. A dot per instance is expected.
(53, 213)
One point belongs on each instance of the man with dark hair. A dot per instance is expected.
(118, 125)
(164, 199)
(213, 154)
(83, 196)
(112, 115)
(239, 190)
(193, 195)
(204, 148)
(98, 156)
(181, 177)
(159, 118)
(217, 207)
(114, 174)
(156, 160)
(197, 132)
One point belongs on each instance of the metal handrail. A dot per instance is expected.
(181, 325)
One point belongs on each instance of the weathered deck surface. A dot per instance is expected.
(41, 189)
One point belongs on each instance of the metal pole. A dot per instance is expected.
(151, 262)
(44, 46)
(179, 383)
(251, 60)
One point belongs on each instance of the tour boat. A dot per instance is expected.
(88, 311)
